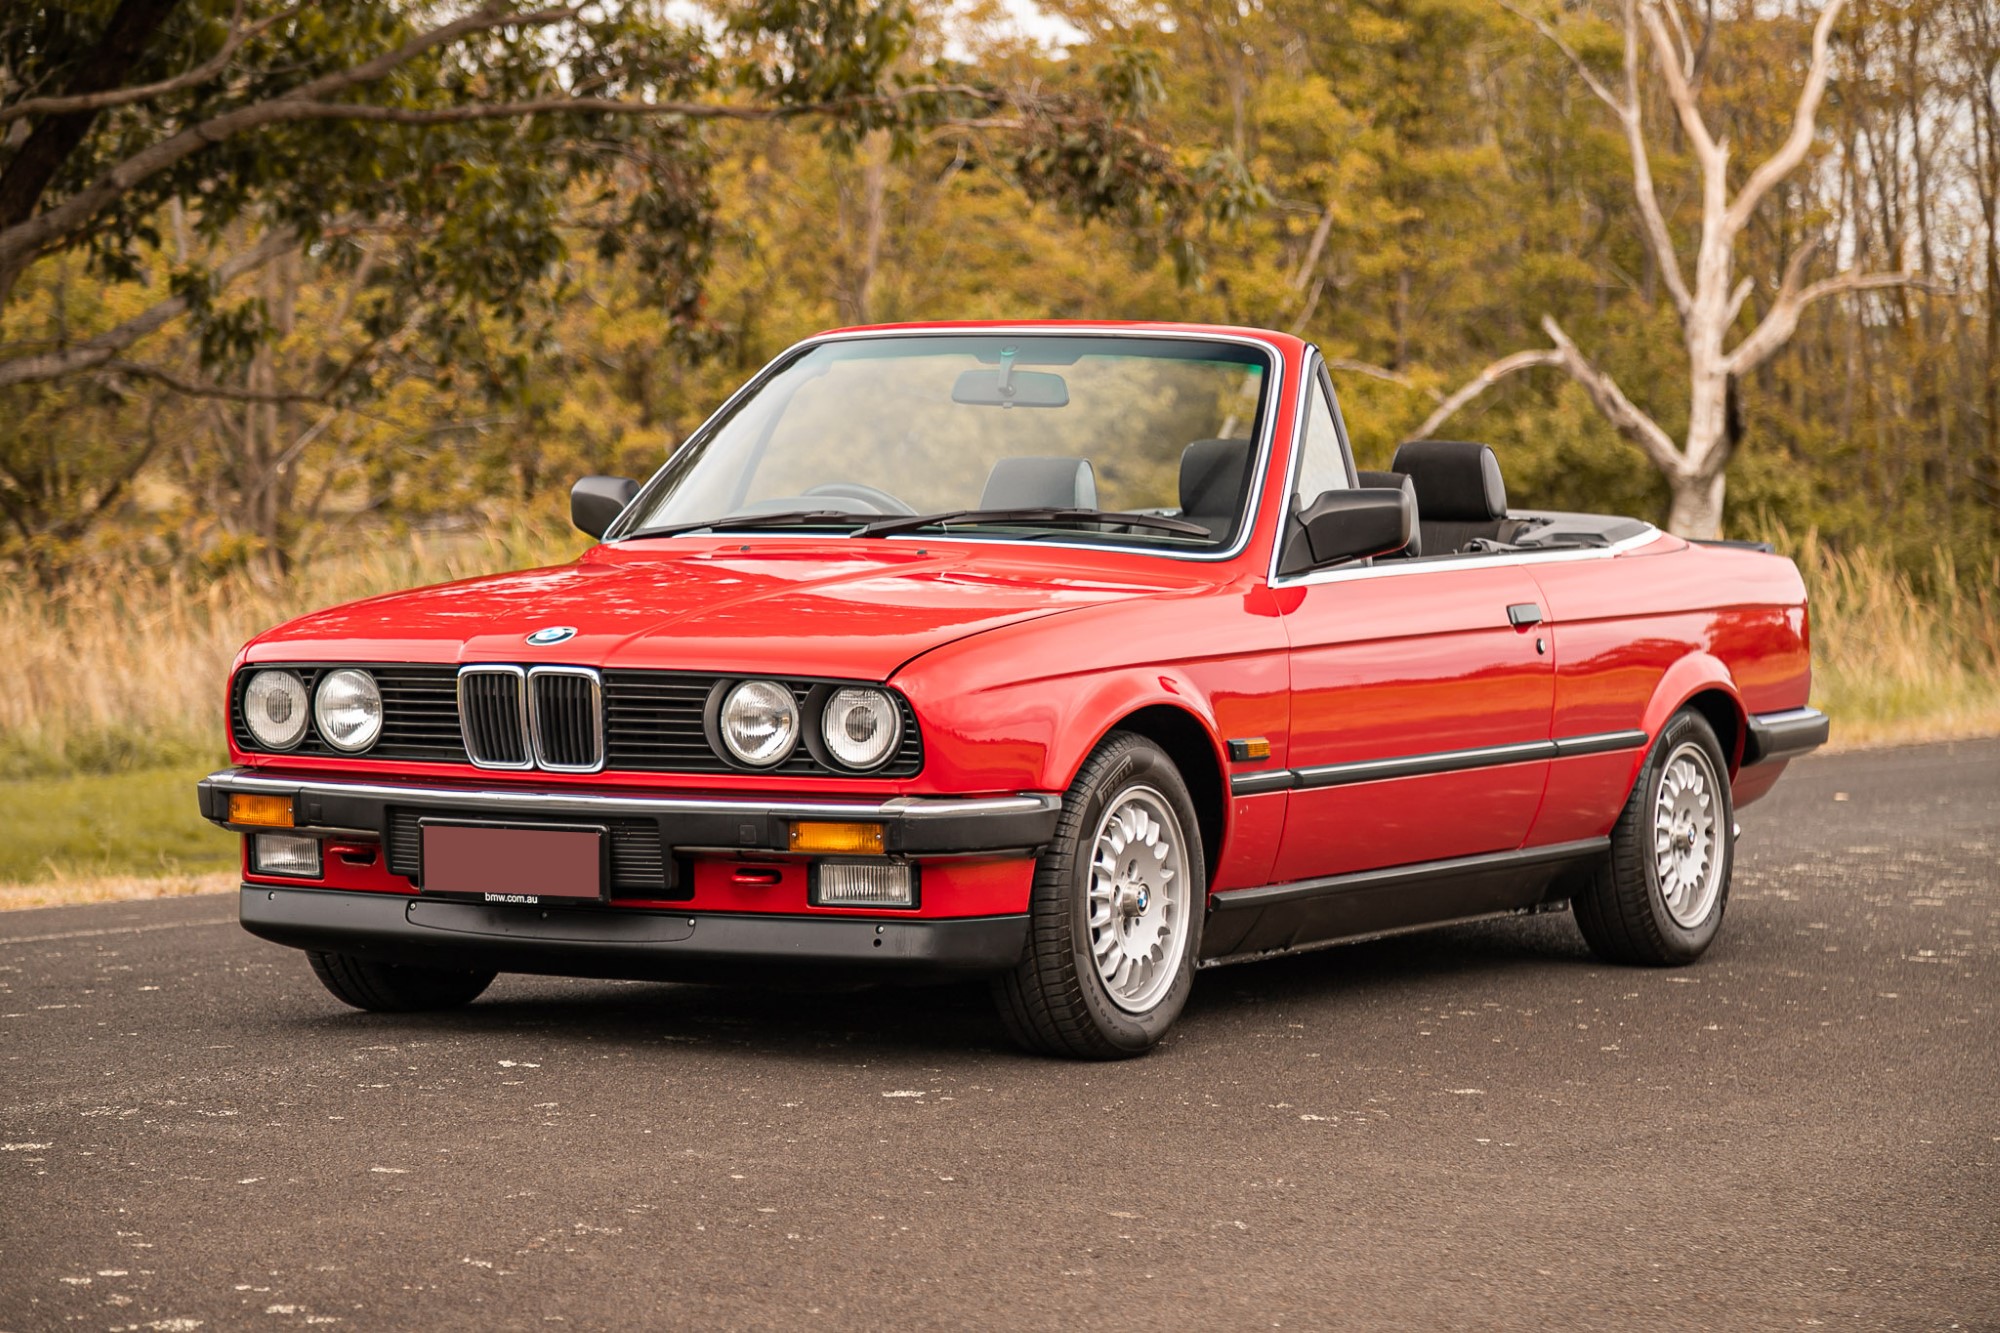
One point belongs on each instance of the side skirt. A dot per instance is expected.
(1280, 918)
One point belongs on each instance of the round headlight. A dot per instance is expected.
(861, 727)
(347, 706)
(274, 708)
(760, 723)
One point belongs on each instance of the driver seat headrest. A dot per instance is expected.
(1212, 474)
(1040, 483)
(1457, 481)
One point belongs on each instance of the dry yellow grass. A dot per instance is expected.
(66, 892)
(124, 666)
(1898, 659)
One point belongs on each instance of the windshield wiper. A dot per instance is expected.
(910, 522)
(784, 518)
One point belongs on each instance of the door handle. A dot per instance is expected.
(1523, 614)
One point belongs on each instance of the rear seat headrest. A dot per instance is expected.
(1040, 483)
(1457, 481)
(1212, 476)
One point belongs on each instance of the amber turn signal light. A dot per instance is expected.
(268, 811)
(837, 839)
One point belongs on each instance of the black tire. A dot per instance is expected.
(1054, 1001)
(1621, 907)
(396, 988)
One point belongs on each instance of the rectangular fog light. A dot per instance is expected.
(285, 854)
(864, 884)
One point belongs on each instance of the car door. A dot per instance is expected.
(1420, 709)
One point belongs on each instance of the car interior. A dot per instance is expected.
(1456, 486)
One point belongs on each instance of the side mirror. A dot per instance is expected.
(595, 502)
(1351, 525)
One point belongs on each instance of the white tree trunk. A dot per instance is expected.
(1697, 506)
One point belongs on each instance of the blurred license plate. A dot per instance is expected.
(506, 864)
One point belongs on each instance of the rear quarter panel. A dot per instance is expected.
(1638, 635)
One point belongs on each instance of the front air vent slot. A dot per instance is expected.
(493, 714)
(566, 719)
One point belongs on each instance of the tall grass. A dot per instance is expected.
(1896, 655)
(123, 667)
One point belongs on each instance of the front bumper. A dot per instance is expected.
(630, 945)
(912, 825)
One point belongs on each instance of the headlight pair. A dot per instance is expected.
(760, 725)
(346, 706)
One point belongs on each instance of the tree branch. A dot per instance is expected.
(1373, 371)
(22, 241)
(1659, 240)
(1619, 410)
(1799, 142)
(1480, 383)
(208, 389)
(1782, 319)
(116, 97)
(1584, 71)
(1714, 158)
(1653, 224)
(99, 350)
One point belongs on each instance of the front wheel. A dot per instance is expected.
(1115, 914)
(396, 988)
(1657, 899)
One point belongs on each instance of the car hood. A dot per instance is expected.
(812, 608)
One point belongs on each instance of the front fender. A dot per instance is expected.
(1035, 735)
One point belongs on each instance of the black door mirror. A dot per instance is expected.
(595, 501)
(1350, 525)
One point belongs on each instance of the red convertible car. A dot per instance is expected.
(1076, 656)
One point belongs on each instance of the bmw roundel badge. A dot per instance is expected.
(549, 634)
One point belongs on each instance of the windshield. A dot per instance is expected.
(1122, 440)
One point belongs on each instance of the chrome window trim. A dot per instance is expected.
(542, 761)
(521, 706)
(1267, 432)
(1404, 568)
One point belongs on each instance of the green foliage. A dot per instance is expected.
(481, 310)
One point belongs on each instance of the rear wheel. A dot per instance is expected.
(1115, 913)
(396, 988)
(1658, 897)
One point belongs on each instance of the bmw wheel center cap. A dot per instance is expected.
(549, 634)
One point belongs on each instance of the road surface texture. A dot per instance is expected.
(1479, 1127)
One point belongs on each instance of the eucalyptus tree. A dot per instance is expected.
(1710, 298)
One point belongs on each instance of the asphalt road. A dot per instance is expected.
(1476, 1127)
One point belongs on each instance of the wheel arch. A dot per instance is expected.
(1703, 683)
(1191, 744)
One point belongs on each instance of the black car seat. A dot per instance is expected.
(1213, 474)
(1460, 496)
(1040, 483)
(1397, 481)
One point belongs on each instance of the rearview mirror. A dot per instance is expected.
(595, 501)
(1351, 525)
(1008, 387)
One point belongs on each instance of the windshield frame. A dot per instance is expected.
(1276, 372)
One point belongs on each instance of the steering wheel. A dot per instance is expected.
(883, 502)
